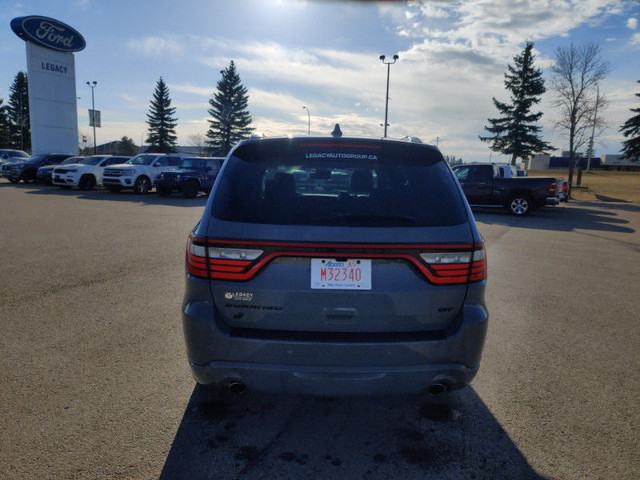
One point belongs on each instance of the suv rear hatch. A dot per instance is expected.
(337, 236)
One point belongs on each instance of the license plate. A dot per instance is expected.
(342, 274)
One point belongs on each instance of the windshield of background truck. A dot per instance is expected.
(142, 160)
(367, 185)
(16, 153)
(70, 160)
(36, 159)
(195, 163)
(91, 160)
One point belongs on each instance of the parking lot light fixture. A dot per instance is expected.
(386, 104)
(309, 118)
(93, 108)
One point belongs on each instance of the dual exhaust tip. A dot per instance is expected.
(438, 388)
(234, 386)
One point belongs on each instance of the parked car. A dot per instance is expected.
(140, 172)
(27, 171)
(484, 186)
(194, 175)
(43, 175)
(12, 156)
(85, 174)
(335, 266)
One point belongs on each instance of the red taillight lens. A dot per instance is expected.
(478, 265)
(208, 261)
(237, 260)
(450, 268)
(552, 187)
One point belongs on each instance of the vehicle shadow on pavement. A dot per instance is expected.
(151, 198)
(577, 215)
(278, 436)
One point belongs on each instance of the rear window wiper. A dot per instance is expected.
(372, 218)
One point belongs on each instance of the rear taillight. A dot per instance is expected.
(237, 260)
(208, 261)
(449, 268)
(552, 187)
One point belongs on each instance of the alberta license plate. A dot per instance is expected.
(343, 274)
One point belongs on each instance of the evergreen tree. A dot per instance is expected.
(162, 123)
(631, 128)
(5, 125)
(19, 112)
(515, 132)
(231, 119)
(126, 146)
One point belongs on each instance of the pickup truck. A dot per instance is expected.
(485, 187)
(194, 175)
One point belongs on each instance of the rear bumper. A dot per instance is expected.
(334, 381)
(329, 367)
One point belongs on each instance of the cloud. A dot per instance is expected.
(192, 89)
(634, 41)
(156, 46)
(632, 23)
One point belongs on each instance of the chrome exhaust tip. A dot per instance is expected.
(236, 387)
(438, 388)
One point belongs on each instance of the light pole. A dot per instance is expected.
(93, 109)
(386, 104)
(309, 118)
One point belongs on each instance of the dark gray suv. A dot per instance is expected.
(335, 266)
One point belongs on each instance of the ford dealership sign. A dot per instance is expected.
(48, 33)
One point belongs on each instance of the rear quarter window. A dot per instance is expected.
(376, 184)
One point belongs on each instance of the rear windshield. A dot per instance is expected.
(377, 184)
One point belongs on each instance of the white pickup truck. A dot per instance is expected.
(140, 172)
(86, 173)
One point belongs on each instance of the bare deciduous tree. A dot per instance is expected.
(576, 73)
(198, 140)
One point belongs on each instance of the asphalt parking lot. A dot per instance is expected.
(95, 382)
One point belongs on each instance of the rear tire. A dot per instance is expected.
(87, 182)
(13, 180)
(190, 189)
(142, 185)
(520, 205)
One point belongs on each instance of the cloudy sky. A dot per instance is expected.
(325, 55)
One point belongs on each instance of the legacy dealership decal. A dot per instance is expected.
(343, 156)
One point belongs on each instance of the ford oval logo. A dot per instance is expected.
(48, 33)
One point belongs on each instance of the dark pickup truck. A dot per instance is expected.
(484, 186)
(194, 175)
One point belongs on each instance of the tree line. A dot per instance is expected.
(576, 75)
(230, 120)
(15, 128)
